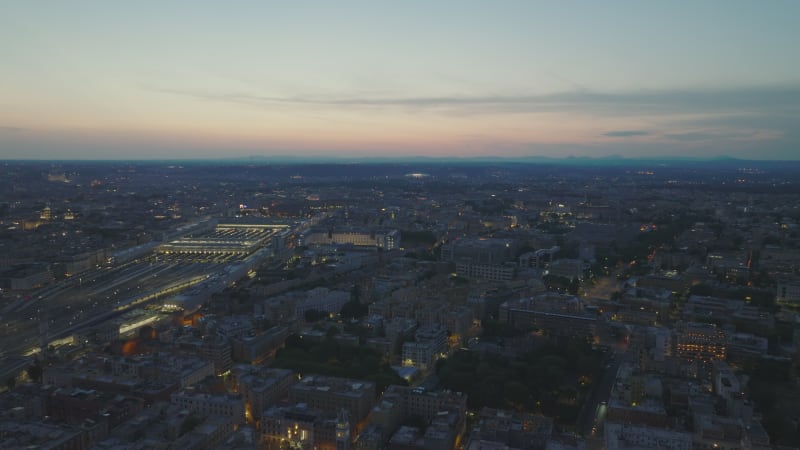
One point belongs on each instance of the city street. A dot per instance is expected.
(601, 390)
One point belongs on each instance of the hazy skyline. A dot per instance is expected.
(193, 79)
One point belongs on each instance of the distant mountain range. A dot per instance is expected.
(603, 161)
(611, 160)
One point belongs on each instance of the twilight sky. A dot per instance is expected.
(195, 79)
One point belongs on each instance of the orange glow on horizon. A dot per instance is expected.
(440, 139)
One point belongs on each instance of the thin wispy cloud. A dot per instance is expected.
(785, 100)
(6, 129)
(706, 135)
(733, 118)
(626, 133)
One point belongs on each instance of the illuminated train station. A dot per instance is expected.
(227, 238)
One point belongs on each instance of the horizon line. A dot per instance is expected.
(312, 159)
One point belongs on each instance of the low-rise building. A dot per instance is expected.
(620, 436)
(261, 387)
(430, 344)
(226, 405)
(331, 394)
(303, 427)
(511, 429)
(699, 342)
(556, 314)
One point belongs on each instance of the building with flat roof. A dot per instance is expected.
(443, 411)
(261, 386)
(16, 434)
(24, 277)
(304, 427)
(380, 238)
(788, 291)
(227, 238)
(226, 405)
(511, 429)
(489, 272)
(331, 394)
(211, 433)
(556, 314)
(321, 299)
(623, 436)
(429, 345)
(482, 258)
(700, 342)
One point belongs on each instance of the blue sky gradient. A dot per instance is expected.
(195, 79)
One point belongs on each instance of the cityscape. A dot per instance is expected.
(400, 305)
(416, 225)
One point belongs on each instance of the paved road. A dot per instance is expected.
(600, 393)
